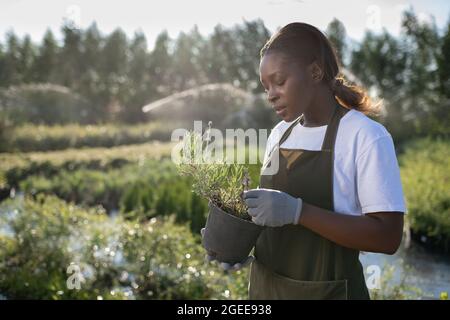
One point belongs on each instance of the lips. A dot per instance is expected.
(279, 109)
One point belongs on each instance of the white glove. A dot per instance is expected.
(272, 208)
(210, 256)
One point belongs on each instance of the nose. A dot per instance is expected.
(272, 96)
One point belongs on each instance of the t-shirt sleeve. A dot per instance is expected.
(378, 178)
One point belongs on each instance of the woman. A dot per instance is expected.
(337, 190)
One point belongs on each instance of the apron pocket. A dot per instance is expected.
(266, 284)
(290, 289)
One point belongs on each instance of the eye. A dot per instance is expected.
(280, 83)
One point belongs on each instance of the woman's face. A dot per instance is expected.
(288, 85)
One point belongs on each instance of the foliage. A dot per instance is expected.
(43, 104)
(389, 290)
(15, 167)
(120, 75)
(425, 171)
(116, 75)
(118, 259)
(219, 182)
(27, 138)
(337, 34)
(407, 72)
(5, 129)
(139, 191)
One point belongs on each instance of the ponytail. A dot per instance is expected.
(353, 97)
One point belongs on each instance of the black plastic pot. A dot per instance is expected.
(229, 237)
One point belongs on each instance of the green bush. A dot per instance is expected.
(27, 138)
(425, 171)
(118, 259)
(6, 127)
(44, 103)
(15, 167)
(214, 178)
(395, 291)
(143, 189)
(138, 191)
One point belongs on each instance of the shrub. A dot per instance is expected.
(27, 138)
(213, 179)
(395, 291)
(140, 192)
(40, 239)
(44, 103)
(16, 167)
(425, 171)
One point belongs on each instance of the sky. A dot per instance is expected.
(151, 17)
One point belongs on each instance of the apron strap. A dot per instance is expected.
(289, 130)
(330, 134)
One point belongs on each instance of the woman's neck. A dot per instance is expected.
(321, 109)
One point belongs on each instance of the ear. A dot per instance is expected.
(315, 72)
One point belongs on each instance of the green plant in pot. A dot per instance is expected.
(229, 233)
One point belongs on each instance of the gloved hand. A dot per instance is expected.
(210, 256)
(272, 208)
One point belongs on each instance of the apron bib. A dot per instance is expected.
(293, 262)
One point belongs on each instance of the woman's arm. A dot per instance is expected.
(373, 232)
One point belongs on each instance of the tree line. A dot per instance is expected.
(115, 73)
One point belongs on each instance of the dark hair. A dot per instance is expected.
(305, 42)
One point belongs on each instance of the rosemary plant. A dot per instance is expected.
(215, 180)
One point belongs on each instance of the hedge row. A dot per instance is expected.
(15, 167)
(29, 137)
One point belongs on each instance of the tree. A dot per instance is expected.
(70, 57)
(405, 73)
(46, 62)
(10, 74)
(249, 38)
(90, 83)
(2, 65)
(185, 60)
(114, 72)
(422, 39)
(218, 56)
(27, 52)
(424, 102)
(379, 61)
(161, 65)
(141, 88)
(337, 34)
(92, 45)
(443, 61)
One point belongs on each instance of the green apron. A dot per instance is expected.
(293, 262)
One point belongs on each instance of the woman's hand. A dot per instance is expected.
(272, 208)
(210, 256)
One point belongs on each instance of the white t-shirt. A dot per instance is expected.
(366, 171)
